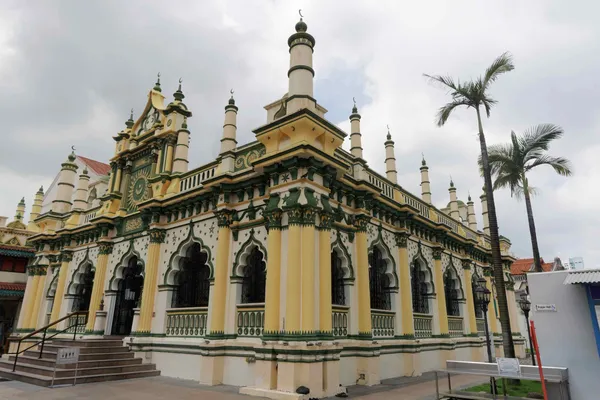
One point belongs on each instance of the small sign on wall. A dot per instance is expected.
(509, 367)
(545, 307)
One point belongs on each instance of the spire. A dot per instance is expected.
(36, 209)
(20, 210)
(301, 73)
(72, 157)
(355, 136)
(228, 140)
(178, 95)
(425, 185)
(453, 201)
(129, 122)
(471, 213)
(157, 84)
(484, 212)
(390, 159)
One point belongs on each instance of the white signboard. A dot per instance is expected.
(509, 367)
(545, 307)
(67, 355)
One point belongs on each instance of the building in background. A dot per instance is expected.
(273, 262)
(14, 257)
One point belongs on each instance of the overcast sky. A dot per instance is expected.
(71, 70)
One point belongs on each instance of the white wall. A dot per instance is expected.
(566, 337)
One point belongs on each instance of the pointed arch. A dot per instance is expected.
(76, 276)
(421, 282)
(453, 290)
(117, 275)
(341, 250)
(390, 263)
(181, 253)
(52, 287)
(244, 252)
(474, 284)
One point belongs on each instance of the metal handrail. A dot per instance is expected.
(44, 337)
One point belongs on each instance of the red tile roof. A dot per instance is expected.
(524, 265)
(98, 167)
(12, 286)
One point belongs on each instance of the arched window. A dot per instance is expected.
(84, 290)
(192, 280)
(255, 278)
(379, 282)
(474, 284)
(419, 289)
(451, 290)
(338, 296)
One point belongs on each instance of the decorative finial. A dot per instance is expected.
(131, 114)
(389, 135)
(178, 95)
(72, 155)
(354, 109)
(129, 122)
(180, 80)
(73, 148)
(231, 91)
(301, 25)
(300, 12)
(469, 195)
(231, 99)
(451, 182)
(157, 84)
(423, 163)
(22, 201)
(41, 189)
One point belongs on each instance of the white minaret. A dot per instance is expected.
(81, 194)
(453, 202)
(355, 136)
(471, 214)
(301, 73)
(228, 141)
(65, 186)
(484, 213)
(425, 187)
(390, 159)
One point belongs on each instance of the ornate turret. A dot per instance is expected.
(355, 135)
(20, 210)
(157, 84)
(484, 213)
(390, 159)
(453, 202)
(301, 73)
(179, 111)
(81, 193)
(36, 209)
(65, 186)
(425, 186)
(228, 141)
(471, 214)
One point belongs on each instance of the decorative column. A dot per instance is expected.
(325, 313)
(217, 308)
(169, 161)
(28, 299)
(292, 302)
(157, 237)
(468, 279)
(440, 294)
(104, 250)
(126, 178)
(272, 293)
(362, 276)
(308, 270)
(65, 259)
(408, 330)
(39, 293)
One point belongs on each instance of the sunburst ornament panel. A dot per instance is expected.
(138, 188)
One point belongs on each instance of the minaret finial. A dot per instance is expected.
(231, 99)
(451, 182)
(423, 162)
(354, 109)
(389, 135)
(300, 12)
(301, 25)
(180, 80)
(157, 84)
(129, 122)
(469, 195)
(178, 95)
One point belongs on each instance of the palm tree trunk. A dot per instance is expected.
(507, 340)
(534, 243)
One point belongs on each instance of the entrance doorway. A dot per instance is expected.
(129, 295)
(83, 291)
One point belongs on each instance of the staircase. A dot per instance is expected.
(99, 360)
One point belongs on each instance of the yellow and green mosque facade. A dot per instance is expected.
(283, 262)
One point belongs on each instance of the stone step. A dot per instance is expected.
(81, 372)
(44, 362)
(41, 380)
(51, 355)
(86, 350)
(87, 343)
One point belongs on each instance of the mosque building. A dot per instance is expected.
(283, 262)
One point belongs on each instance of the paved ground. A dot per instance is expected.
(421, 388)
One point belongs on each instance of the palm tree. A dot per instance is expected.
(473, 94)
(509, 164)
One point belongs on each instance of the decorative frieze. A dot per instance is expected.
(157, 236)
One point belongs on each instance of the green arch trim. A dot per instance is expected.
(131, 251)
(185, 243)
(247, 245)
(382, 245)
(420, 258)
(339, 244)
(86, 260)
(450, 267)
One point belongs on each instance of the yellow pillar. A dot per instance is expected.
(104, 250)
(217, 309)
(159, 162)
(466, 264)
(308, 271)
(512, 307)
(169, 161)
(39, 294)
(405, 289)
(292, 299)
(118, 179)
(157, 237)
(493, 319)
(440, 293)
(325, 313)
(65, 259)
(362, 277)
(28, 299)
(272, 295)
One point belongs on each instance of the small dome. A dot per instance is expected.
(72, 157)
(301, 26)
